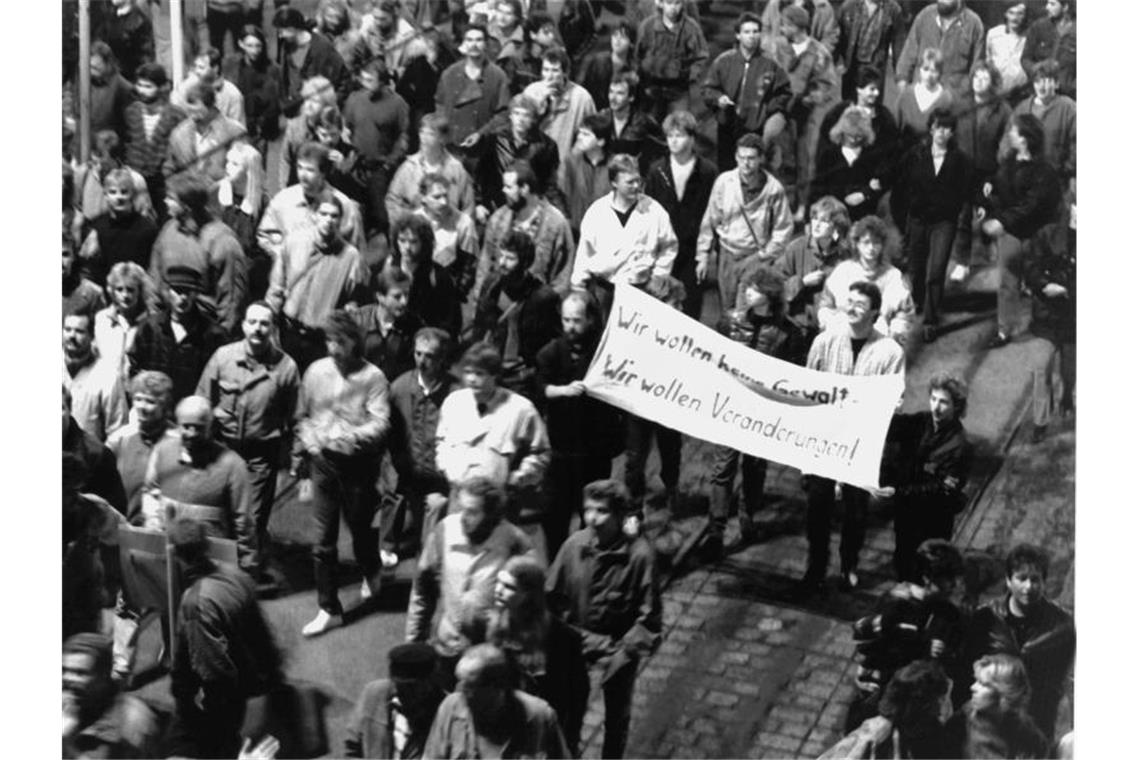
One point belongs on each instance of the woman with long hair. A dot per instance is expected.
(241, 196)
(257, 77)
(996, 722)
(848, 169)
(316, 93)
(132, 296)
(546, 653)
(335, 20)
(1023, 197)
(874, 244)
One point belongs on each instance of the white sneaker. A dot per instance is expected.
(388, 559)
(321, 623)
(365, 590)
(959, 273)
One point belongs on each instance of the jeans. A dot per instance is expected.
(344, 483)
(1009, 258)
(640, 434)
(753, 471)
(820, 505)
(929, 246)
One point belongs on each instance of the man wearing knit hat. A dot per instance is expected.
(98, 721)
(394, 715)
(178, 342)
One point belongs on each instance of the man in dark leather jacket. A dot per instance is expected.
(927, 463)
(1026, 624)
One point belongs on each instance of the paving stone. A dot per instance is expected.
(792, 715)
(722, 699)
(745, 688)
(778, 742)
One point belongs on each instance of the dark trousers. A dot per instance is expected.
(220, 22)
(915, 522)
(347, 484)
(375, 212)
(866, 705)
(1063, 357)
(565, 479)
(928, 247)
(640, 433)
(261, 460)
(687, 273)
(412, 527)
(210, 731)
(820, 505)
(617, 693)
(753, 472)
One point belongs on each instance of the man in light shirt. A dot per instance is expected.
(562, 104)
(626, 236)
(1005, 44)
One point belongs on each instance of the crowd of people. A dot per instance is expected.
(399, 312)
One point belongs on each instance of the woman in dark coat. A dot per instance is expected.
(848, 168)
(1023, 197)
(932, 186)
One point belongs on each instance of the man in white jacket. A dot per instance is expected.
(626, 236)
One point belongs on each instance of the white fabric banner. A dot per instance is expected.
(659, 364)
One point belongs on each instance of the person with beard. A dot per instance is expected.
(545, 651)
(317, 273)
(178, 340)
(956, 32)
(193, 475)
(603, 584)
(516, 312)
(150, 120)
(200, 142)
(98, 721)
(487, 715)
(389, 328)
(748, 220)
(456, 572)
(527, 212)
(518, 140)
(193, 238)
(385, 35)
(393, 716)
(252, 385)
(585, 433)
(416, 398)
(111, 93)
(749, 92)
(342, 421)
(433, 296)
(95, 385)
(1025, 624)
(225, 651)
(927, 475)
(293, 212)
(760, 322)
(305, 54)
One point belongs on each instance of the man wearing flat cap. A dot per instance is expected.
(394, 714)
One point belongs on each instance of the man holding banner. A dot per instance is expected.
(857, 350)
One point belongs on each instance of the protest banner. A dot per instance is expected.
(657, 363)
